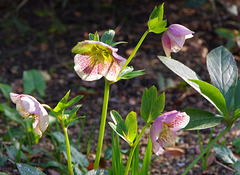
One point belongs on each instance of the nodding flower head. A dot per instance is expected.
(28, 106)
(174, 38)
(163, 130)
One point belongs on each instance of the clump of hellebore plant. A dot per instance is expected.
(95, 59)
(28, 106)
(174, 38)
(164, 128)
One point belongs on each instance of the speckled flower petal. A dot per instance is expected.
(95, 59)
(180, 121)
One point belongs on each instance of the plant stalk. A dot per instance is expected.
(133, 149)
(135, 50)
(210, 145)
(102, 125)
(69, 161)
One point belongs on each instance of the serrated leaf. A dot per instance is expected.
(223, 72)
(108, 36)
(25, 169)
(131, 125)
(225, 154)
(200, 119)
(152, 105)
(33, 80)
(214, 94)
(6, 89)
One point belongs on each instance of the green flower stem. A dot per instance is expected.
(133, 149)
(102, 125)
(208, 152)
(210, 145)
(136, 49)
(69, 161)
(200, 147)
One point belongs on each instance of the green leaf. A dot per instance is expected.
(131, 125)
(157, 26)
(118, 121)
(108, 36)
(152, 105)
(74, 100)
(135, 161)
(108, 154)
(194, 3)
(56, 164)
(117, 165)
(214, 94)
(98, 172)
(147, 157)
(225, 154)
(6, 89)
(236, 166)
(200, 119)
(128, 129)
(94, 37)
(33, 80)
(73, 112)
(119, 42)
(225, 33)
(185, 73)
(12, 114)
(236, 144)
(157, 12)
(25, 169)
(237, 97)
(61, 104)
(58, 136)
(223, 72)
(128, 73)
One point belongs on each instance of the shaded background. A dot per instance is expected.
(40, 35)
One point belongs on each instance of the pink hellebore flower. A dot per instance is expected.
(28, 106)
(163, 130)
(174, 38)
(95, 59)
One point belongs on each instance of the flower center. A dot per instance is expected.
(166, 136)
(99, 54)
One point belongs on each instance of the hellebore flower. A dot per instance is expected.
(28, 106)
(95, 59)
(163, 130)
(174, 38)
